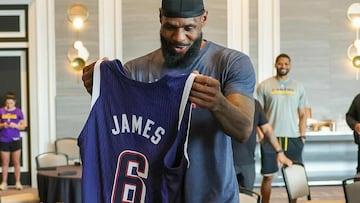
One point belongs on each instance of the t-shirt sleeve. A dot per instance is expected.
(240, 77)
(21, 115)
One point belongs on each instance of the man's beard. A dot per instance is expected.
(175, 60)
(282, 71)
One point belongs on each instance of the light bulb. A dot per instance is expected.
(77, 15)
(353, 14)
(78, 23)
(78, 45)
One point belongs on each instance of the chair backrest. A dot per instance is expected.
(249, 196)
(296, 181)
(51, 159)
(69, 147)
(351, 188)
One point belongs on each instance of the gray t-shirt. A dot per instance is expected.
(210, 177)
(281, 100)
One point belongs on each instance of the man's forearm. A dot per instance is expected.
(236, 116)
(269, 133)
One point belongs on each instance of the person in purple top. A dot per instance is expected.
(11, 122)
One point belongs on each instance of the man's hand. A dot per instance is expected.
(87, 76)
(206, 93)
(235, 112)
(281, 158)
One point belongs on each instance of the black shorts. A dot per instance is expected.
(293, 148)
(10, 146)
(245, 175)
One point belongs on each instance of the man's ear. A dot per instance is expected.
(204, 17)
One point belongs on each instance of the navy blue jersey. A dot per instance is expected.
(133, 145)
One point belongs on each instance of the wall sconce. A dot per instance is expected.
(353, 52)
(77, 53)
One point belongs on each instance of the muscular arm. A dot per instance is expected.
(235, 112)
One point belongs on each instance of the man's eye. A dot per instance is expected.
(188, 29)
(169, 27)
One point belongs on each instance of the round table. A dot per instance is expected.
(60, 184)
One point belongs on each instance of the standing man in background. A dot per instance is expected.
(353, 121)
(284, 102)
(222, 94)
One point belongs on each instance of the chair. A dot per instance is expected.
(351, 188)
(296, 184)
(249, 196)
(68, 146)
(51, 159)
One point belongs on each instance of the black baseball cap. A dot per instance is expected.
(182, 8)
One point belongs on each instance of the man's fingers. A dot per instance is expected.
(196, 72)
